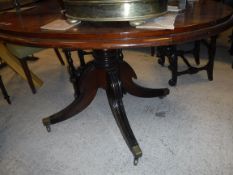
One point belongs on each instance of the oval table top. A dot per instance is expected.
(201, 19)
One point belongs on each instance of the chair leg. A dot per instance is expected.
(196, 51)
(231, 50)
(81, 54)
(2, 63)
(231, 47)
(28, 74)
(152, 51)
(59, 56)
(4, 92)
(173, 64)
(211, 54)
(161, 55)
(172, 54)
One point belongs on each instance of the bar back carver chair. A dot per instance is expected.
(21, 53)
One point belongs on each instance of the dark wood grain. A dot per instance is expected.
(202, 19)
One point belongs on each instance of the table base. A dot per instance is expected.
(110, 72)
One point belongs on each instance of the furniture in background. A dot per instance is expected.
(56, 50)
(231, 47)
(173, 54)
(164, 52)
(15, 64)
(4, 91)
(16, 56)
(2, 63)
(22, 53)
(76, 71)
(230, 3)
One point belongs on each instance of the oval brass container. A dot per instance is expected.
(114, 10)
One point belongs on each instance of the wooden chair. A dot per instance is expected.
(172, 53)
(22, 53)
(164, 52)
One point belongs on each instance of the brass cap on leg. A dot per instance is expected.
(137, 152)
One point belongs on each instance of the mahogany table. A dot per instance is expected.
(109, 71)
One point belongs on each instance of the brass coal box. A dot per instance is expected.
(114, 10)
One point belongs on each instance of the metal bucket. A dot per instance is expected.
(114, 10)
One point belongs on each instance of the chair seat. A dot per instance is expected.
(22, 51)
